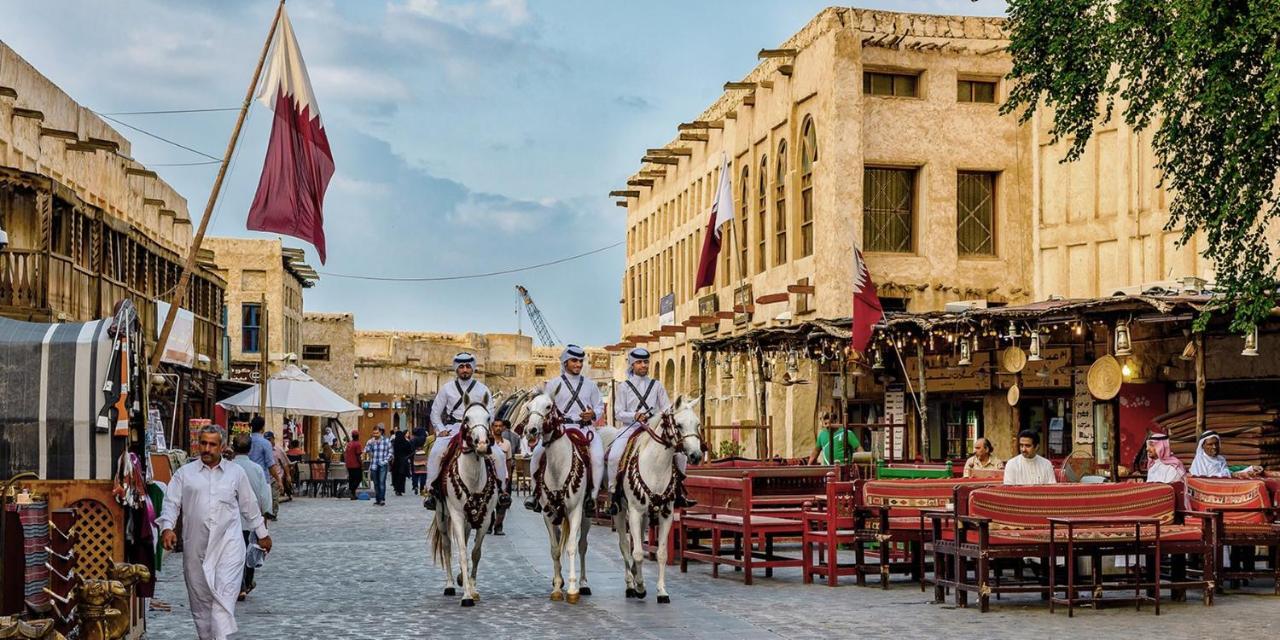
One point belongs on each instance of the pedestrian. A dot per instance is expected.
(401, 461)
(500, 439)
(261, 451)
(283, 475)
(240, 446)
(378, 451)
(419, 462)
(351, 458)
(213, 496)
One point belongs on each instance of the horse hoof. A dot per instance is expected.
(664, 599)
(557, 596)
(585, 591)
(468, 602)
(450, 591)
(641, 594)
(573, 598)
(631, 593)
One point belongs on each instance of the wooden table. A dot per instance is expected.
(1072, 523)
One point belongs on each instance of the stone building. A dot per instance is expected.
(265, 283)
(88, 226)
(394, 374)
(866, 128)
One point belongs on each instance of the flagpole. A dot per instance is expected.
(180, 292)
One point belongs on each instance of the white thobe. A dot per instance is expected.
(1158, 471)
(261, 490)
(214, 501)
(561, 389)
(446, 418)
(636, 395)
(1021, 470)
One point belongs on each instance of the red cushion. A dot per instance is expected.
(1168, 533)
(1028, 507)
(906, 497)
(1209, 494)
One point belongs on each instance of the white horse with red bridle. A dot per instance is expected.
(471, 494)
(648, 480)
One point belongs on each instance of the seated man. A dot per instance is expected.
(836, 444)
(1162, 465)
(1028, 467)
(1209, 463)
(983, 458)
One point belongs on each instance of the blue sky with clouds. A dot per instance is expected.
(469, 136)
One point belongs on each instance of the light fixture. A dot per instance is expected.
(1013, 331)
(1126, 370)
(1079, 328)
(1251, 342)
(1034, 350)
(1124, 346)
(966, 354)
(726, 368)
(793, 366)
(877, 362)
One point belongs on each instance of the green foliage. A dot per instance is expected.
(1205, 75)
(728, 449)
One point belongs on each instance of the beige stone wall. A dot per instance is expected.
(43, 130)
(254, 268)
(932, 133)
(337, 332)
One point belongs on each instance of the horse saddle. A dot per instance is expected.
(451, 453)
(581, 441)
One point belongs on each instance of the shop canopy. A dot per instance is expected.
(293, 392)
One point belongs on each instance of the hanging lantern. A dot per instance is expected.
(1124, 346)
(877, 363)
(1251, 342)
(726, 367)
(1034, 350)
(1013, 331)
(793, 365)
(966, 355)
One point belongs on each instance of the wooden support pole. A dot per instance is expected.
(1200, 384)
(776, 53)
(660, 160)
(739, 86)
(923, 405)
(180, 292)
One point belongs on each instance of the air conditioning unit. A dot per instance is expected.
(961, 306)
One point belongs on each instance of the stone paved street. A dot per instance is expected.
(345, 569)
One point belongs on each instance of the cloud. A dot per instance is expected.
(489, 17)
(633, 102)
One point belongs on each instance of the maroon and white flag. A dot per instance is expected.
(866, 304)
(290, 198)
(721, 212)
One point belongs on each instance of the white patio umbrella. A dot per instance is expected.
(295, 392)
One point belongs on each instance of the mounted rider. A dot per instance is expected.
(638, 400)
(578, 400)
(450, 405)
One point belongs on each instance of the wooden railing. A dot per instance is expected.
(21, 282)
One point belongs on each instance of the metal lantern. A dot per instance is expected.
(793, 365)
(726, 368)
(877, 362)
(1124, 346)
(1251, 342)
(1034, 350)
(966, 353)
(1013, 331)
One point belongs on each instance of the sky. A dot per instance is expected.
(468, 136)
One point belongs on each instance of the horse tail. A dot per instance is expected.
(439, 542)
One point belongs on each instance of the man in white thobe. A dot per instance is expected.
(240, 446)
(578, 400)
(1162, 465)
(639, 400)
(450, 405)
(1028, 467)
(214, 496)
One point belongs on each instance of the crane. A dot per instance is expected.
(545, 334)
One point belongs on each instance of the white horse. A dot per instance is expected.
(565, 477)
(647, 474)
(471, 495)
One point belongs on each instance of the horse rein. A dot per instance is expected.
(667, 437)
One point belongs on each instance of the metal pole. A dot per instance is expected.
(180, 292)
(1200, 383)
(923, 405)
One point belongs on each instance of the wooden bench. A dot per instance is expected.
(730, 507)
(994, 522)
(889, 512)
(1245, 516)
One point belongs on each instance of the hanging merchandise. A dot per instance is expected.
(966, 355)
(1034, 349)
(1124, 345)
(1251, 342)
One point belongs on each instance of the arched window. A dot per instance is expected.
(742, 222)
(762, 213)
(780, 221)
(808, 157)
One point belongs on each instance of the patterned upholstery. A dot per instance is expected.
(1210, 494)
(907, 497)
(1028, 507)
(1168, 533)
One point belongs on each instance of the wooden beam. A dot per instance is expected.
(766, 84)
(155, 202)
(653, 173)
(60, 133)
(19, 112)
(681, 151)
(168, 212)
(773, 298)
(802, 289)
(639, 182)
(744, 308)
(106, 145)
(8, 92)
(620, 203)
(750, 99)
(724, 315)
(658, 160)
(776, 53)
(739, 86)
(731, 115)
(624, 193)
(659, 153)
(694, 137)
(700, 124)
(80, 146)
(146, 173)
(786, 69)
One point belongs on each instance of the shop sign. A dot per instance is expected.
(1082, 407)
(742, 299)
(1056, 362)
(245, 372)
(667, 310)
(709, 305)
(945, 373)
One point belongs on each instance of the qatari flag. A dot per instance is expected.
(290, 198)
(866, 304)
(721, 212)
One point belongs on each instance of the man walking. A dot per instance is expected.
(351, 459)
(419, 460)
(578, 401)
(261, 452)
(640, 399)
(240, 445)
(450, 405)
(214, 496)
(378, 450)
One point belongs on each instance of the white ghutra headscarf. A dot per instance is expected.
(1206, 466)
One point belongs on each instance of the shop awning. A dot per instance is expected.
(294, 392)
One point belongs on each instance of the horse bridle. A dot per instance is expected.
(552, 425)
(667, 437)
(468, 440)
